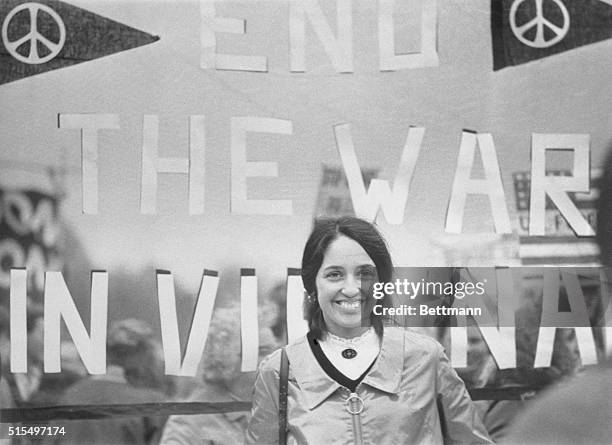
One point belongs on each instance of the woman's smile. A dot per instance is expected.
(350, 305)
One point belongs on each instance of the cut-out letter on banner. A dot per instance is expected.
(556, 187)
(499, 336)
(152, 165)
(379, 194)
(428, 56)
(249, 324)
(89, 124)
(198, 331)
(552, 319)
(210, 59)
(59, 304)
(340, 50)
(18, 316)
(491, 185)
(296, 325)
(242, 169)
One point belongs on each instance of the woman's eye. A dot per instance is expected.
(333, 275)
(367, 273)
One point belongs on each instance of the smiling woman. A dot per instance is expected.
(352, 379)
(342, 260)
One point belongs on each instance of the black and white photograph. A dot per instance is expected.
(305, 222)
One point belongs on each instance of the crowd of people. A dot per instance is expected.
(134, 375)
(352, 379)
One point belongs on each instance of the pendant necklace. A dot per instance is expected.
(349, 353)
(349, 345)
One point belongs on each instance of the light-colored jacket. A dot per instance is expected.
(399, 399)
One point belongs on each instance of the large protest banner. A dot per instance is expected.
(199, 141)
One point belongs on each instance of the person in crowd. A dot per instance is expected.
(482, 370)
(134, 375)
(352, 379)
(579, 411)
(53, 385)
(220, 380)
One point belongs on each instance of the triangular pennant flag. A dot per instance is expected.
(526, 30)
(48, 34)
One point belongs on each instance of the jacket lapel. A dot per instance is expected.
(386, 374)
(315, 384)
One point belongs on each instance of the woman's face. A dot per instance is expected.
(343, 282)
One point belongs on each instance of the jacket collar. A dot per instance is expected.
(317, 386)
(386, 374)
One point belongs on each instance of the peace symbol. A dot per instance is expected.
(539, 22)
(34, 37)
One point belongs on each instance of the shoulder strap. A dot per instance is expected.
(282, 398)
(442, 418)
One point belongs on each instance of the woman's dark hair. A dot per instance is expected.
(324, 232)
